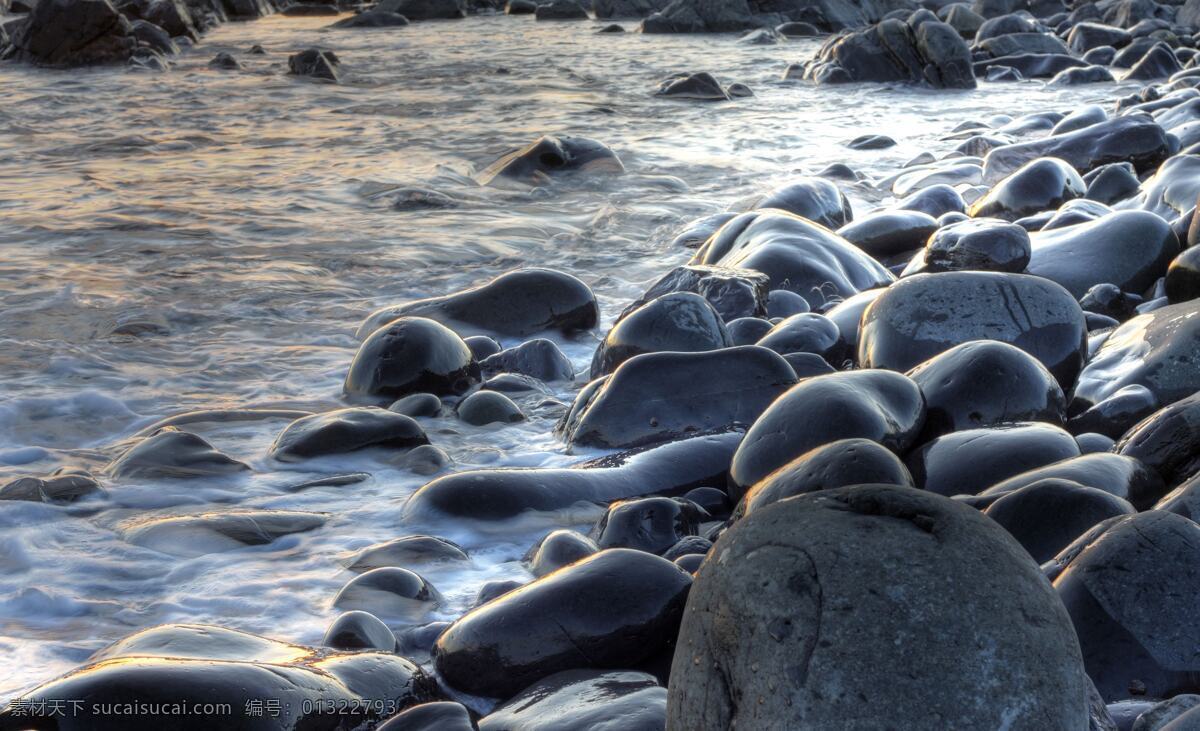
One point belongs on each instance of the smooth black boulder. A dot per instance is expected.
(879, 405)
(921, 316)
(489, 407)
(1132, 588)
(172, 453)
(1086, 36)
(888, 233)
(226, 62)
(483, 346)
(1082, 75)
(1048, 515)
(793, 622)
(1167, 441)
(969, 461)
(680, 322)
(651, 524)
(417, 405)
(837, 464)
(542, 160)
(1039, 185)
(671, 469)
(517, 303)
(559, 548)
(405, 551)
(412, 355)
(389, 592)
(935, 200)
(157, 671)
(797, 254)
(1116, 414)
(1155, 350)
(439, 716)
(1130, 249)
(807, 332)
(701, 86)
(64, 33)
(315, 63)
(1124, 477)
(985, 383)
(1135, 138)
(748, 330)
(733, 293)
(980, 244)
(1158, 63)
(358, 630)
(659, 397)
(816, 199)
(612, 610)
(346, 430)
(584, 700)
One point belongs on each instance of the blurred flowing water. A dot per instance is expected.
(246, 215)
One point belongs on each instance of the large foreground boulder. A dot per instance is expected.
(933, 54)
(74, 33)
(874, 607)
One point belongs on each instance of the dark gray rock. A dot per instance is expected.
(561, 10)
(1046, 516)
(984, 244)
(356, 630)
(677, 322)
(584, 700)
(815, 198)
(412, 355)
(888, 233)
(517, 303)
(424, 9)
(879, 405)
(650, 524)
(315, 63)
(405, 551)
(616, 608)
(64, 33)
(921, 316)
(489, 407)
(796, 254)
(548, 158)
(171, 453)
(1124, 477)
(969, 461)
(389, 592)
(539, 358)
(65, 485)
(734, 293)
(346, 430)
(441, 716)
(1167, 441)
(559, 548)
(708, 391)
(933, 54)
(789, 597)
(1039, 185)
(1136, 139)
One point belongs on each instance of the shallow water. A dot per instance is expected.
(248, 213)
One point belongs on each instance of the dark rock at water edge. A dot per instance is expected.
(932, 53)
(346, 430)
(671, 469)
(424, 9)
(373, 19)
(548, 157)
(650, 524)
(1136, 139)
(489, 407)
(816, 199)
(412, 355)
(357, 630)
(517, 303)
(561, 10)
(539, 358)
(677, 322)
(171, 453)
(888, 233)
(709, 391)
(64, 33)
(1039, 185)
(559, 548)
(214, 667)
(614, 609)
(316, 63)
(733, 293)
(65, 485)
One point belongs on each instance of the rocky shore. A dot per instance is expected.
(932, 465)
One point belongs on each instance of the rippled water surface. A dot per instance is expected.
(246, 215)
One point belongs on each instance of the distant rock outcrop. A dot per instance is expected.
(932, 53)
(716, 16)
